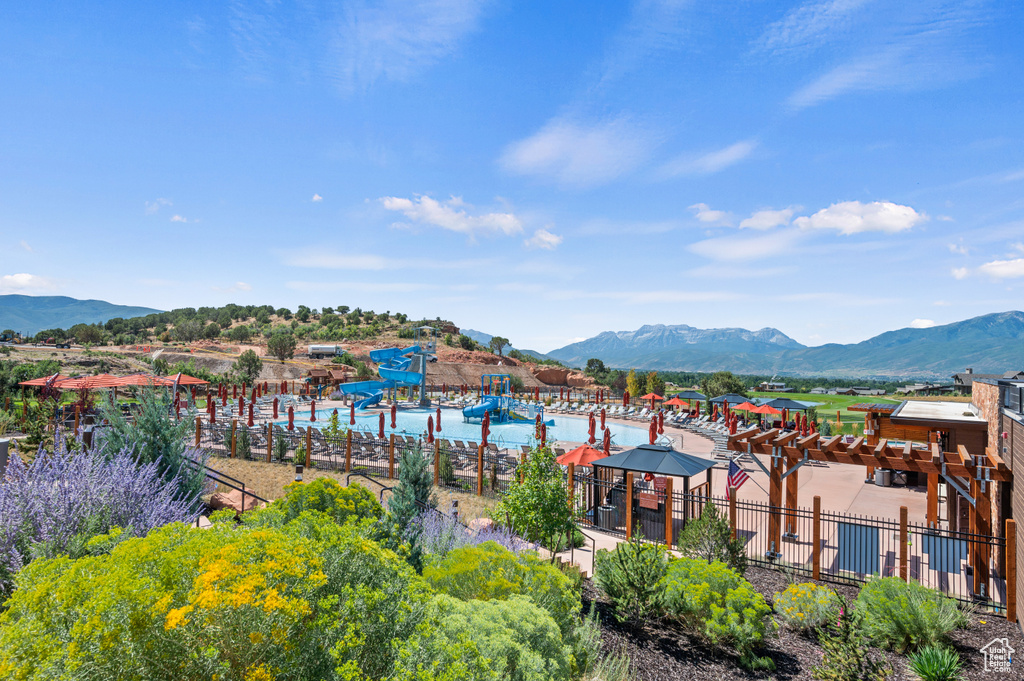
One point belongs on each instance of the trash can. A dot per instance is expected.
(883, 477)
(607, 517)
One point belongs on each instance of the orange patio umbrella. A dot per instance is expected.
(765, 409)
(746, 406)
(652, 397)
(583, 455)
(676, 402)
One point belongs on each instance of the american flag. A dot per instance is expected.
(737, 476)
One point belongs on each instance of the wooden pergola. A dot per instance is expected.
(970, 474)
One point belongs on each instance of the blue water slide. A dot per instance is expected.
(476, 411)
(386, 355)
(374, 390)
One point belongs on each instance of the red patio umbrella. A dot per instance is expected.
(661, 422)
(430, 430)
(283, 387)
(250, 421)
(604, 414)
(266, 387)
(380, 426)
(583, 455)
(543, 433)
(394, 414)
(241, 405)
(224, 398)
(253, 395)
(177, 407)
(213, 416)
(291, 418)
(243, 387)
(439, 419)
(625, 398)
(275, 408)
(234, 394)
(652, 397)
(561, 393)
(652, 431)
(483, 432)
(352, 413)
(312, 410)
(591, 427)
(536, 393)
(607, 441)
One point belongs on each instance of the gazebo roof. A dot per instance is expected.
(786, 403)
(731, 398)
(657, 459)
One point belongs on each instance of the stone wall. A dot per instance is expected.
(985, 396)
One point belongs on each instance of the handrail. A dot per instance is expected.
(384, 488)
(222, 479)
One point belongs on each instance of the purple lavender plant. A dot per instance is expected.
(63, 499)
(438, 534)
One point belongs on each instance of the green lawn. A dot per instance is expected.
(828, 405)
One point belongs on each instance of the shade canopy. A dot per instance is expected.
(691, 395)
(651, 396)
(584, 455)
(89, 382)
(731, 398)
(41, 381)
(746, 406)
(676, 402)
(110, 381)
(657, 459)
(786, 403)
(765, 409)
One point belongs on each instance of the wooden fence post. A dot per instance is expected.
(77, 417)
(480, 471)
(1011, 570)
(234, 427)
(669, 530)
(391, 458)
(903, 543)
(816, 538)
(199, 429)
(629, 505)
(348, 451)
(437, 463)
(309, 445)
(270, 442)
(732, 514)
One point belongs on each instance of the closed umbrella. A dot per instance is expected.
(592, 426)
(234, 391)
(394, 415)
(380, 426)
(291, 418)
(266, 387)
(241, 405)
(483, 432)
(543, 433)
(430, 430)
(439, 419)
(661, 422)
(625, 398)
(250, 421)
(275, 408)
(652, 432)
(604, 414)
(312, 410)
(607, 441)
(224, 398)
(213, 416)
(177, 407)
(352, 414)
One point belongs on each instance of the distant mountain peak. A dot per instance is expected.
(31, 314)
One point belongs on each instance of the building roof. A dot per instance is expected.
(657, 459)
(947, 412)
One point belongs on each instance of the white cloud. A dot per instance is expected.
(579, 155)
(711, 162)
(854, 217)
(26, 283)
(740, 248)
(1003, 269)
(1019, 246)
(449, 215)
(958, 249)
(809, 25)
(178, 218)
(24, 244)
(542, 238)
(154, 206)
(873, 72)
(705, 213)
(326, 259)
(960, 272)
(766, 219)
(235, 288)
(922, 324)
(317, 198)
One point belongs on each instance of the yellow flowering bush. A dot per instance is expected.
(806, 606)
(225, 603)
(328, 496)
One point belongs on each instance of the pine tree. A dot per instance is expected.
(414, 489)
(709, 538)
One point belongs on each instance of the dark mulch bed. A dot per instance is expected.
(661, 651)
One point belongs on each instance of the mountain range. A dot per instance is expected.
(31, 314)
(992, 343)
(485, 340)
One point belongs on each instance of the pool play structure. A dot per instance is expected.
(398, 368)
(496, 399)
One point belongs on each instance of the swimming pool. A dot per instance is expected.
(413, 421)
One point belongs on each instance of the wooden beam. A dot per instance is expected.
(784, 440)
(881, 447)
(744, 434)
(766, 436)
(893, 462)
(809, 441)
(965, 456)
(936, 453)
(774, 505)
(994, 460)
(855, 445)
(908, 450)
(831, 444)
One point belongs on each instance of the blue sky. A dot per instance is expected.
(542, 171)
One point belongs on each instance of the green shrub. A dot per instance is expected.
(630, 576)
(493, 640)
(936, 663)
(445, 469)
(489, 571)
(709, 538)
(326, 495)
(845, 652)
(714, 601)
(806, 606)
(906, 616)
(280, 448)
(243, 444)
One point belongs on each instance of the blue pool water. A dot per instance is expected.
(413, 421)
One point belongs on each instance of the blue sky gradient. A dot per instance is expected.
(543, 171)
